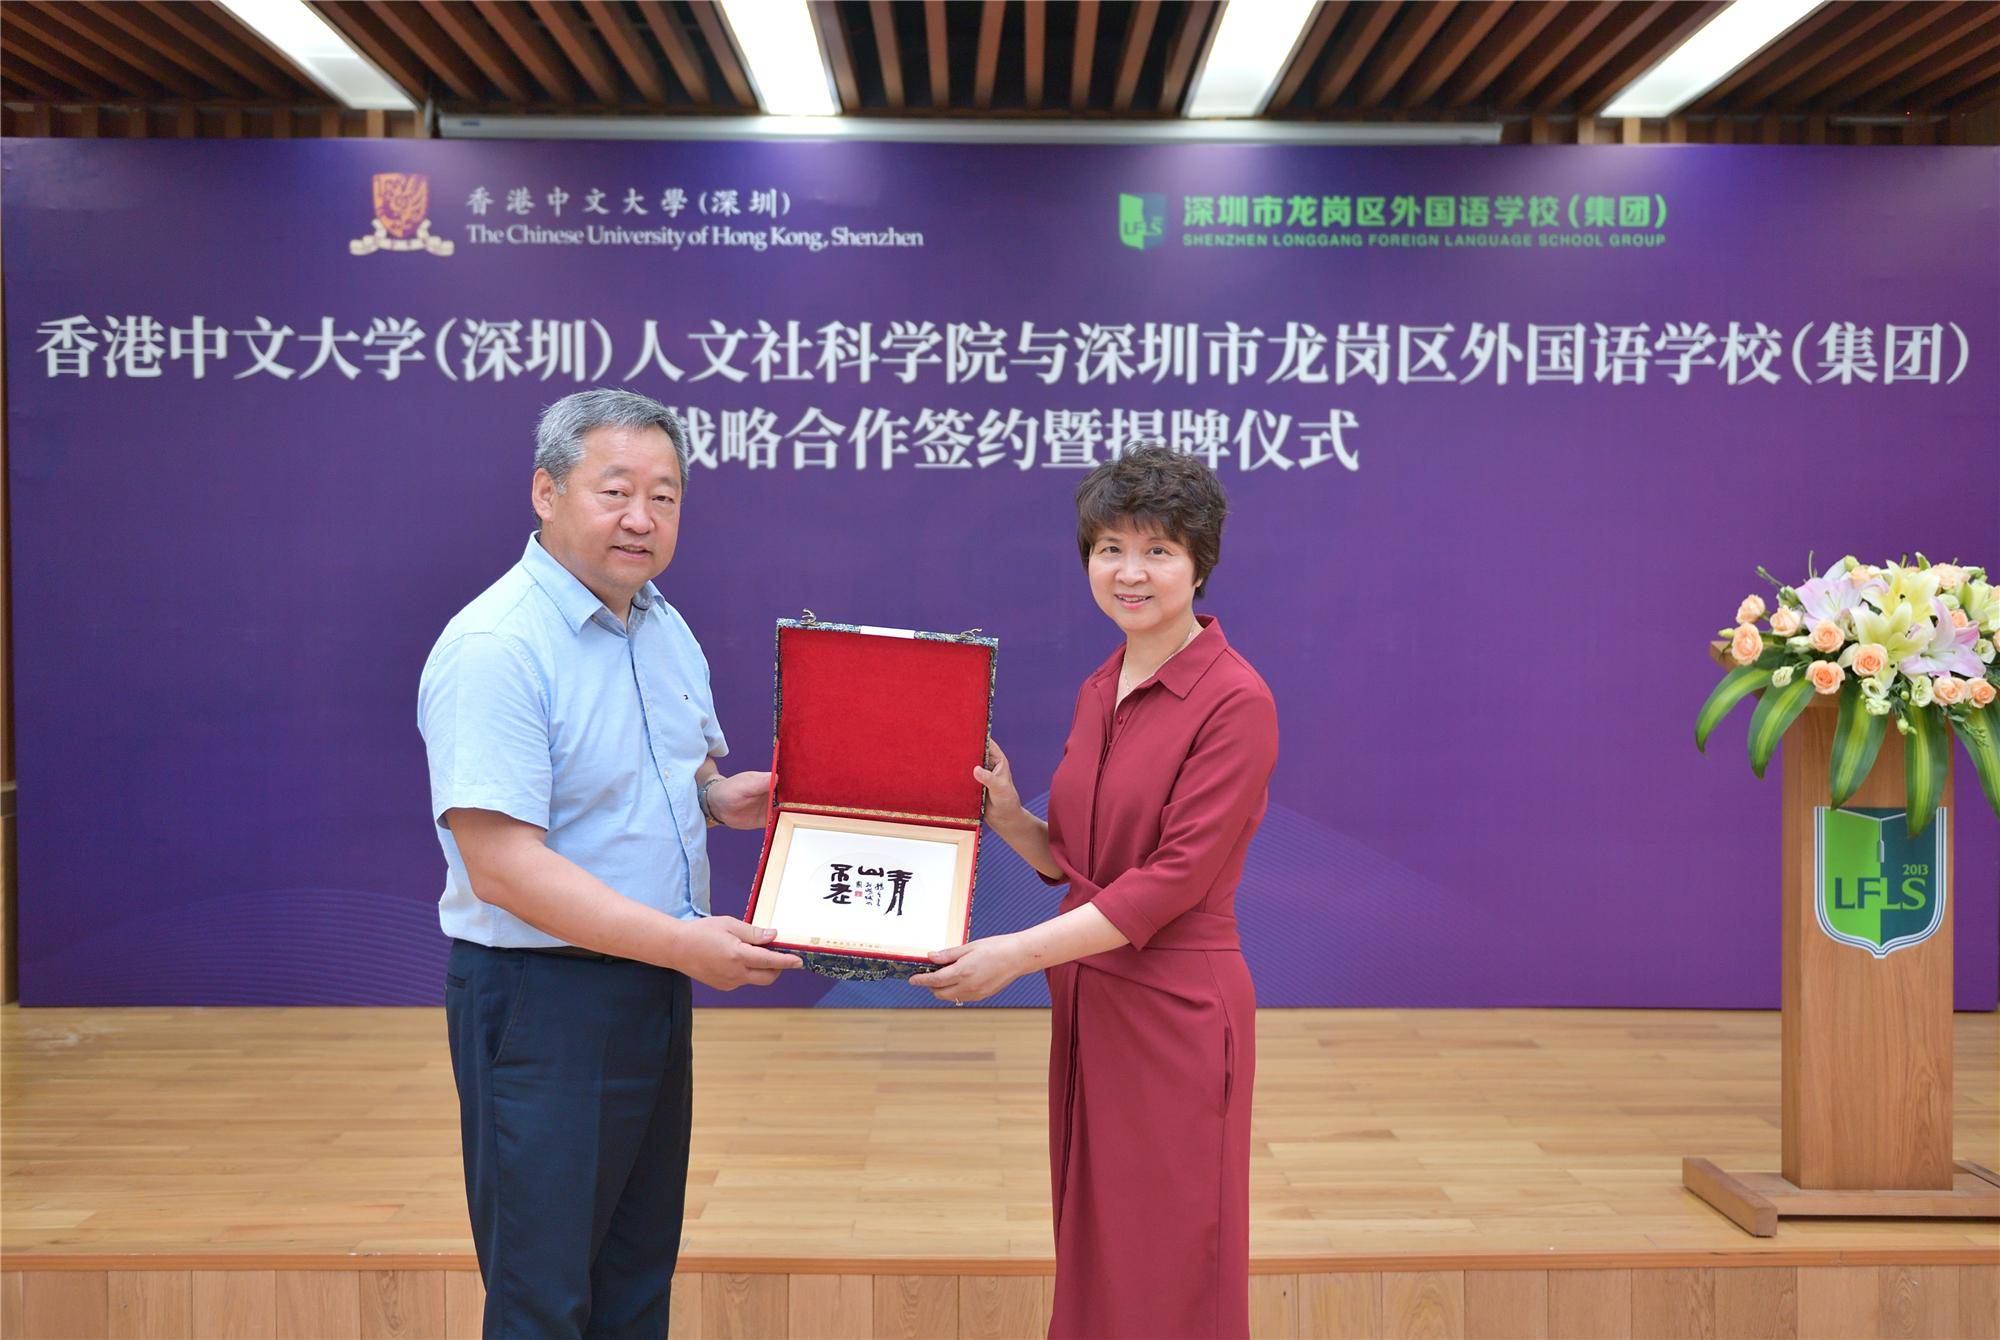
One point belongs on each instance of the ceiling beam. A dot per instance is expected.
(577, 42)
(1680, 23)
(364, 29)
(533, 50)
(1611, 39)
(722, 47)
(1374, 21)
(1923, 89)
(1418, 26)
(1081, 54)
(144, 26)
(205, 29)
(59, 37)
(1952, 24)
(1197, 28)
(832, 35)
(140, 56)
(889, 53)
(76, 79)
(1516, 33)
(1304, 56)
(462, 24)
(414, 26)
(1779, 81)
(1440, 60)
(1777, 51)
(629, 49)
(1138, 36)
(1573, 23)
(992, 14)
(668, 31)
(940, 54)
(1034, 55)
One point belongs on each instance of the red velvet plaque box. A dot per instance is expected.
(871, 846)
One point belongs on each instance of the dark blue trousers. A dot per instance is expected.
(573, 1098)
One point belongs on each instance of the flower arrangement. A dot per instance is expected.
(1906, 642)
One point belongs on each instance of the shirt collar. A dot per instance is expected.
(573, 600)
(1184, 668)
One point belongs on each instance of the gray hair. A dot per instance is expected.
(559, 436)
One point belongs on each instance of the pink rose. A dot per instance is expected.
(1982, 693)
(1949, 575)
(1751, 610)
(1947, 690)
(1825, 676)
(1869, 660)
(1826, 636)
(1747, 645)
(1786, 621)
(1958, 619)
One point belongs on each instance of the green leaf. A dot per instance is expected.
(1926, 752)
(1775, 713)
(1857, 737)
(1737, 685)
(1980, 734)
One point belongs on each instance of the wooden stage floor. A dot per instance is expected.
(830, 1143)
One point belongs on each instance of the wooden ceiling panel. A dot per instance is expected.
(479, 44)
(1940, 80)
(1356, 59)
(1441, 59)
(40, 23)
(1952, 25)
(1419, 24)
(32, 52)
(1351, 46)
(1842, 45)
(516, 26)
(365, 30)
(1680, 22)
(417, 29)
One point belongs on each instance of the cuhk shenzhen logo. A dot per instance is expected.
(402, 199)
(1142, 220)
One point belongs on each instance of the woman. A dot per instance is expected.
(1161, 784)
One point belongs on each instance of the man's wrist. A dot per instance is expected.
(701, 798)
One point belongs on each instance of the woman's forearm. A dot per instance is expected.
(1077, 933)
(1028, 836)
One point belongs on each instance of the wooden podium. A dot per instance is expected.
(1866, 1077)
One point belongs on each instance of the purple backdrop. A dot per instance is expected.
(1482, 604)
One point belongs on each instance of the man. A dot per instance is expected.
(572, 741)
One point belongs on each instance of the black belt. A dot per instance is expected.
(564, 951)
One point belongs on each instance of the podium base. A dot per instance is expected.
(1755, 1202)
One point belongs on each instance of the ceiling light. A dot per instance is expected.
(317, 48)
(782, 55)
(1706, 58)
(1251, 49)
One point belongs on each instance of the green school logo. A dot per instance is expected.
(1878, 888)
(1142, 220)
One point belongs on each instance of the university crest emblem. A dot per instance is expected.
(402, 199)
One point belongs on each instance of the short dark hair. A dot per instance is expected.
(1158, 489)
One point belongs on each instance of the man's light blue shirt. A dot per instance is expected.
(537, 704)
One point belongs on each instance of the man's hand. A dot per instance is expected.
(741, 801)
(722, 952)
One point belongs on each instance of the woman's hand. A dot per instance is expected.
(974, 971)
(1003, 802)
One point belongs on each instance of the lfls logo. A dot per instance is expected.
(1878, 888)
(402, 200)
(1142, 220)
